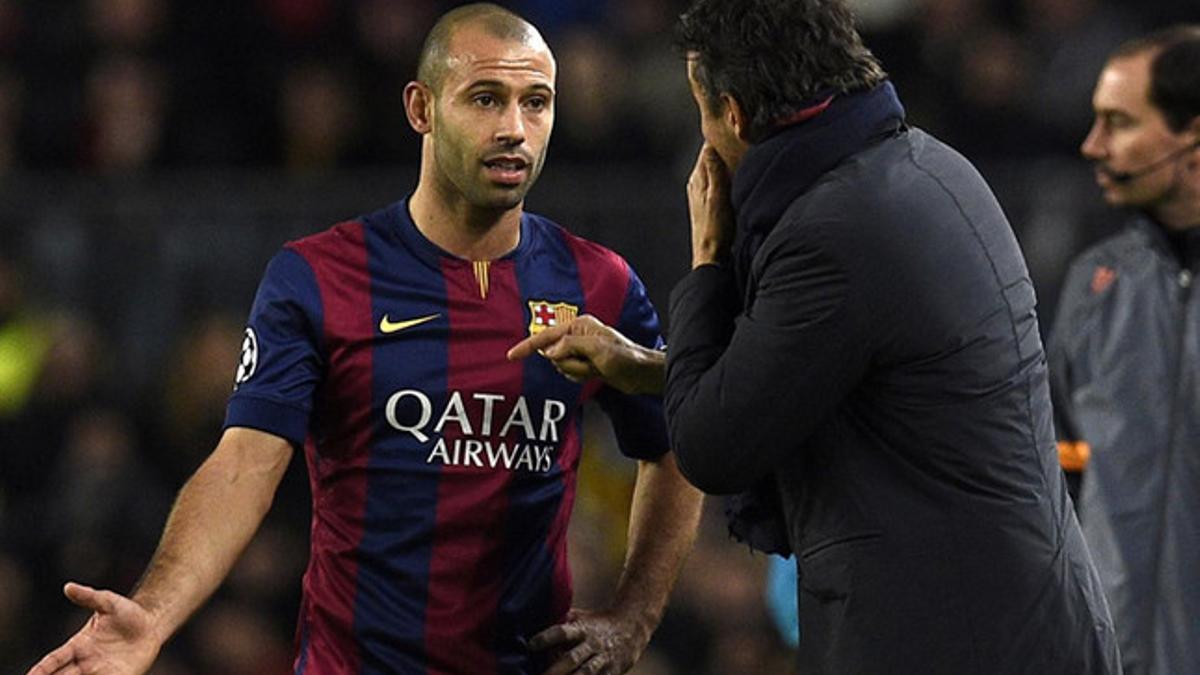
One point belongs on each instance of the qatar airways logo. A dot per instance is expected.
(495, 432)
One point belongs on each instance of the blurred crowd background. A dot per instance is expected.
(154, 153)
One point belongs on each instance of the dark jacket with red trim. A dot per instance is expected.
(882, 370)
(1125, 372)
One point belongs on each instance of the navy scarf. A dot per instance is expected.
(771, 176)
(776, 171)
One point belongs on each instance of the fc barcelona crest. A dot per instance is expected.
(545, 314)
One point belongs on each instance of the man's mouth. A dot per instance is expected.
(508, 169)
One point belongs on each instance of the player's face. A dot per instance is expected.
(715, 124)
(492, 118)
(1129, 133)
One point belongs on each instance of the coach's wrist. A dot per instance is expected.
(647, 372)
(709, 253)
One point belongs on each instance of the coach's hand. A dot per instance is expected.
(119, 639)
(593, 643)
(710, 208)
(586, 348)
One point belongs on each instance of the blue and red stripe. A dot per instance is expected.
(339, 472)
(466, 566)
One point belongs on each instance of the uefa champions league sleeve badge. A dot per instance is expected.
(248, 363)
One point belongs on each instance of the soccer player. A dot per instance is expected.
(442, 474)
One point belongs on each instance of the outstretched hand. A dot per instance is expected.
(119, 638)
(592, 643)
(586, 348)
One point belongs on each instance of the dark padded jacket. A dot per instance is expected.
(883, 369)
(1125, 372)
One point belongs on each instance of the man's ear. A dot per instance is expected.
(418, 107)
(735, 116)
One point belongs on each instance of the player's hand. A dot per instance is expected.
(119, 638)
(586, 348)
(710, 208)
(593, 643)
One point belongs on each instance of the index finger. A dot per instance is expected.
(712, 159)
(537, 342)
(54, 661)
(701, 157)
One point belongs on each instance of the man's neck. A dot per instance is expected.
(1181, 213)
(464, 230)
(1178, 220)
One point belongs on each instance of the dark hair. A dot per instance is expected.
(775, 57)
(1174, 71)
(497, 21)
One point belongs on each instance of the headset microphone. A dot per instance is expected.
(1128, 176)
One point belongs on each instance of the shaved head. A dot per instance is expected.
(492, 19)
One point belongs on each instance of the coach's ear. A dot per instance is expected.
(735, 116)
(418, 106)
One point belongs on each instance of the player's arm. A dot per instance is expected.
(214, 517)
(663, 519)
(664, 515)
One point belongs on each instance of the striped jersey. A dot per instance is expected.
(442, 474)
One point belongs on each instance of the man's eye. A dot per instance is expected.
(1118, 121)
(486, 100)
(535, 103)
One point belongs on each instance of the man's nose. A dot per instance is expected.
(1092, 147)
(511, 129)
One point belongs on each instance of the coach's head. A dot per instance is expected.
(756, 66)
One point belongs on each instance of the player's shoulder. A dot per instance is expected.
(587, 253)
(330, 242)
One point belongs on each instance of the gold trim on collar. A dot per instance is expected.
(481, 275)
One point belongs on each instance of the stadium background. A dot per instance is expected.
(155, 153)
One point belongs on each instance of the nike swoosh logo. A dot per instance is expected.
(392, 327)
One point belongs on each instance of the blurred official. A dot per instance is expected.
(1125, 353)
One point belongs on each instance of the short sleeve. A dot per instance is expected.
(281, 363)
(637, 420)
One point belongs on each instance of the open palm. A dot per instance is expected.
(119, 638)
